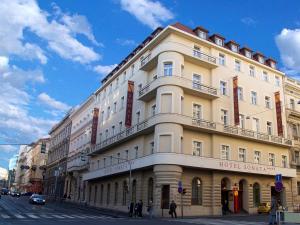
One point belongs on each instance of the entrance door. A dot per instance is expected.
(279, 196)
(225, 195)
(165, 196)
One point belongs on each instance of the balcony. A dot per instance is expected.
(292, 113)
(147, 126)
(190, 54)
(189, 86)
(76, 164)
(189, 161)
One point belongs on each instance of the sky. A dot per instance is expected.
(53, 54)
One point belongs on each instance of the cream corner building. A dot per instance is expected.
(184, 128)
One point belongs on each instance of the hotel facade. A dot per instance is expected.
(191, 108)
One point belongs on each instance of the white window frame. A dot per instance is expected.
(257, 157)
(244, 154)
(197, 151)
(227, 152)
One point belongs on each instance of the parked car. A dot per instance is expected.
(264, 208)
(4, 191)
(15, 194)
(37, 199)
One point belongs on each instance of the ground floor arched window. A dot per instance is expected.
(133, 191)
(196, 191)
(256, 194)
(150, 189)
(125, 189)
(116, 193)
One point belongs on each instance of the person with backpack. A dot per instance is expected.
(172, 211)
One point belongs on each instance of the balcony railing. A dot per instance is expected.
(182, 81)
(204, 56)
(188, 121)
(145, 59)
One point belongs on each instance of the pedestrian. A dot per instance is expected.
(150, 209)
(172, 211)
(140, 208)
(136, 206)
(131, 208)
(272, 216)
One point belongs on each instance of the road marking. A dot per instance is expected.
(57, 216)
(19, 216)
(46, 216)
(207, 221)
(32, 216)
(67, 216)
(5, 216)
(79, 216)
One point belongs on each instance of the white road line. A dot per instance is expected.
(5, 216)
(19, 216)
(80, 217)
(67, 216)
(219, 222)
(57, 216)
(46, 216)
(32, 216)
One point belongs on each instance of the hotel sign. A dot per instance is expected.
(128, 115)
(94, 126)
(236, 101)
(278, 113)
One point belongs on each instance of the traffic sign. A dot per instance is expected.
(180, 190)
(278, 178)
(278, 186)
(180, 183)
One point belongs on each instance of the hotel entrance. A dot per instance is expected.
(225, 191)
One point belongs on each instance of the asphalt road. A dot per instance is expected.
(17, 211)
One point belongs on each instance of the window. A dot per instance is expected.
(222, 59)
(256, 194)
(234, 48)
(284, 161)
(256, 124)
(257, 157)
(223, 88)
(219, 41)
(242, 154)
(224, 116)
(253, 97)
(196, 81)
(265, 76)
(298, 187)
(132, 70)
(197, 51)
(110, 88)
(277, 81)
(126, 154)
(261, 59)
(197, 148)
(108, 194)
(202, 34)
(102, 116)
(151, 147)
(101, 193)
(133, 190)
(240, 93)
(119, 157)
(138, 116)
(140, 86)
(104, 94)
(116, 193)
(225, 152)
(136, 150)
(197, 111)
(297, 157)
(115, 107)
(268, 102)
(120, 126)
(292, 104)
(237, 65)
(269, 128)
(95, 194)
(104, 162)
(248, 54)
(111, 160)
(252, 71)
(106, 133)
(271, 159)
(108, 113)
(168, 68)
(124, 76)
(122, 103)
(117, 83)
(242, 121)
(125, 189)
(196, 191)
(153, 110)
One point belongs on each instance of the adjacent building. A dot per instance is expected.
(12, 171)
(3, 178)
(56, 169)
(80, 146)
(188, 108)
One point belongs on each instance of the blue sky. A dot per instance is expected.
(53, 54)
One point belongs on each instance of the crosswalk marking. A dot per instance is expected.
(5, 216)
(58, 216)
(32, 216)
(67, 216)
(19, 216)
(208, 221)
(79, 216)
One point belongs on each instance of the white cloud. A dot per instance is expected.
(126, 42)
(18, 16)
(248, 21)
(8, 148)
(288, 43)
(148, 12)
(104, 70)
(52, 103)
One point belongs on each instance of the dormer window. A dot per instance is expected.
(219, 41)
(202, 34)
(248, 54)
(272, 64)
(234, 48)
(261, 59)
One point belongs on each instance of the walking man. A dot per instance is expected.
(150, 209)
(173, 207)
(272, 216)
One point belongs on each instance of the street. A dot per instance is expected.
(17, 211)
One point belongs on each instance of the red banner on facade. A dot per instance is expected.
(128, 115)
(236, 101)
(94, 126)
(278, 114)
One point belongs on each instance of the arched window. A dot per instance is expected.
(95, 194)
(256, 195)
(108, 194)
(150, 189)
(101, 193)
(134, 191)
(196, 191)
(125, 189)
(116, 193)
